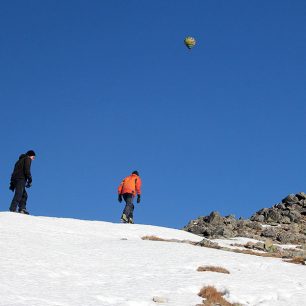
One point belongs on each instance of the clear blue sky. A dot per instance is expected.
(101, 88)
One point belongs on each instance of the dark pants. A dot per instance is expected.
(129, 206)
(20, 196)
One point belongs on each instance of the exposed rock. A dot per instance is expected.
(254, 225)
(294, 216)
(270, 247)
(255, 246)
(222, 231)
(281, 206)
(269, 232)
(291, 198)
(207, 243)
(284, 223)
(284, 237)
(258, 218)
(273, 215)
(215, 218)
(286, 220)
(301, 195)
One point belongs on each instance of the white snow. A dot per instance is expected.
(268, 225)
(66, 262)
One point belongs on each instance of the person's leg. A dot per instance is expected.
(19, 188)
(124, 216)
(23, 202)
(124, 219)
(129, 208)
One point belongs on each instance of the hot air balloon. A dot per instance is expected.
(189, 42)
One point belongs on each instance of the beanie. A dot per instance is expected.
(135, 172)
(31, 153)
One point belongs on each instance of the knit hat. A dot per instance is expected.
(135, 172)
(31, 153)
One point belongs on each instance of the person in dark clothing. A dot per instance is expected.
(128, 189)
(20, 180)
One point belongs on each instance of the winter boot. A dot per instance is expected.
(24, 211)
(124, 219)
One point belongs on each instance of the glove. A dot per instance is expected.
(29, 182)
(120, 198)
(138, 198)
(12, 186)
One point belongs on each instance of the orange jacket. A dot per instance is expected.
(131, 184)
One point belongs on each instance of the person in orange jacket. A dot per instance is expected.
(128, 189)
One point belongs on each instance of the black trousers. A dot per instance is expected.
(129, 206)
(20, 196)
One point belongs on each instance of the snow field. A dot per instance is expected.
(66, 262)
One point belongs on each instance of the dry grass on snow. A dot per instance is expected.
(297, 260)
(155, 238)
(250, 252)
(213, 297)
(212, 269)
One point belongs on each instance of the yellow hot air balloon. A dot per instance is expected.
(189, 42)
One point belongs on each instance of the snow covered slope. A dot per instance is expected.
(66, 262)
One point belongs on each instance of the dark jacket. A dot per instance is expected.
(22, 169)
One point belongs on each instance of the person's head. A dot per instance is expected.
(31, 154)
(135, 172)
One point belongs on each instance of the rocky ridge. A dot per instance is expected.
(284, 223)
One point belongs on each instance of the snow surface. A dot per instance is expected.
(66, 262)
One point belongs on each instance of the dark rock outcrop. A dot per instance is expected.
(283, 223)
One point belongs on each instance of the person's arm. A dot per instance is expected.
(120, 187)
(138, 186)
(27, 169)
(120, 191)
(138, 189)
